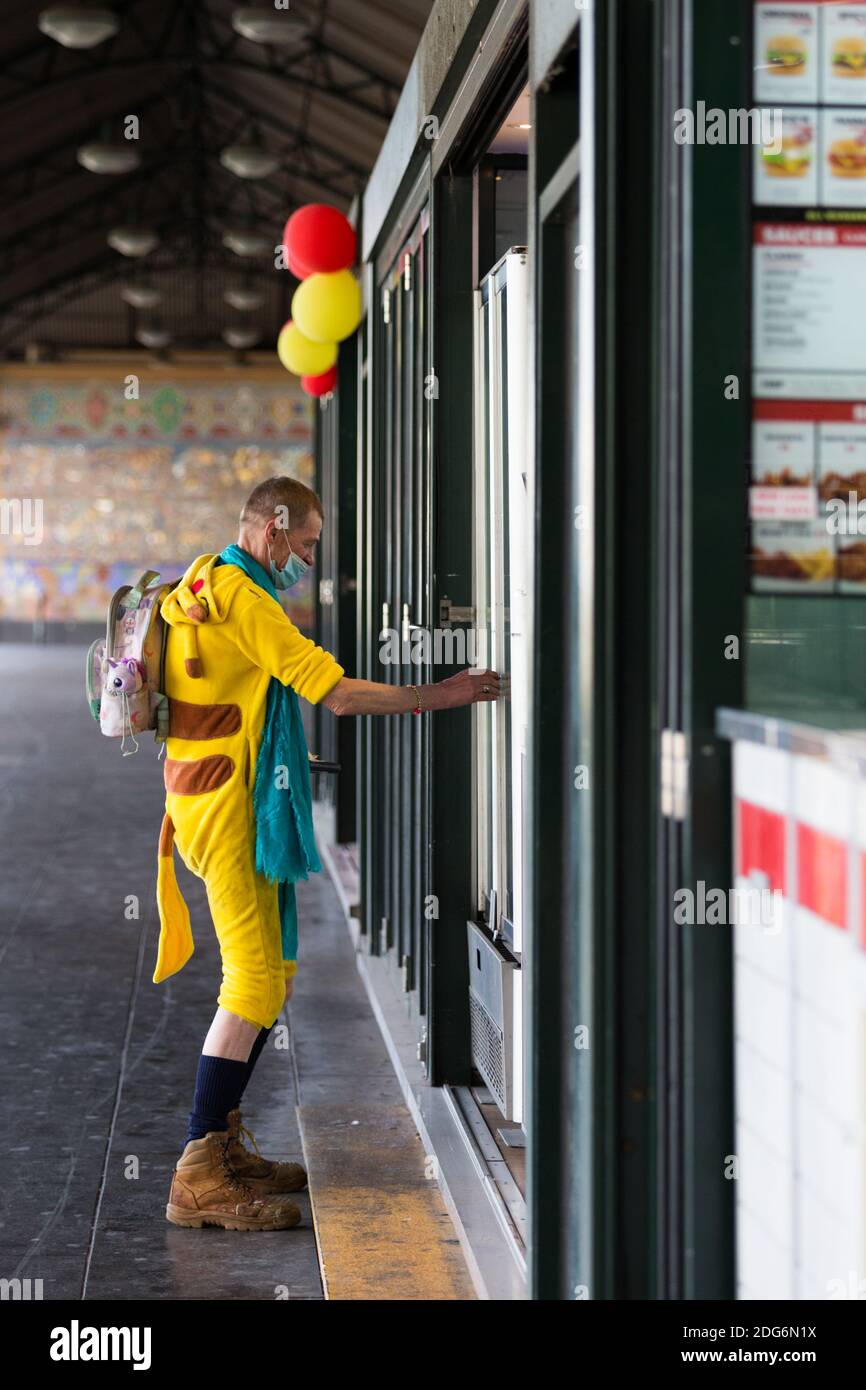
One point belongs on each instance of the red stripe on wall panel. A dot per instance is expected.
(761, 846)
(822, 872)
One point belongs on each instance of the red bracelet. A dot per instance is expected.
(419, 706)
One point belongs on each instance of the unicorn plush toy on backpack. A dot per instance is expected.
(125, 704)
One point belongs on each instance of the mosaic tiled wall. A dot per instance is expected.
(94, 487)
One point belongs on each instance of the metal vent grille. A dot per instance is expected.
(488, 1048)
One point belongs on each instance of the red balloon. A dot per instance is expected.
(300, 272)
(320, 385)
(318, 238)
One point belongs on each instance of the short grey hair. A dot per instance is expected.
(295, 497)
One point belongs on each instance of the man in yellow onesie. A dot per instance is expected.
(237, 809)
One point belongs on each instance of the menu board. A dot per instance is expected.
(807, 499)
(809, 298)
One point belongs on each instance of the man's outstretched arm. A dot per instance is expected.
(350, 696)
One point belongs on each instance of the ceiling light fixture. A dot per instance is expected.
(249, 161)
(245, 300)
(152, 337)
(133, 241)
(100, 157)
(78, 26)
(240, 337)
(262, 24)
(245, 243)
(141, 296)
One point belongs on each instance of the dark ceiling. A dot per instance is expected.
(196, 86)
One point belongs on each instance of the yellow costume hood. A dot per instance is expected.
(204, 595)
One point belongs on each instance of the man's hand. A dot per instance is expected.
(290, 985)
(466, 688)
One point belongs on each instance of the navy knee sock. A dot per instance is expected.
(255, 1053)
(219, 1083)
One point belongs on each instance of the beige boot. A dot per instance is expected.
(263, 1175)
(206, 1191)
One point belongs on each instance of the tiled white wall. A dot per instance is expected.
(800, 1022)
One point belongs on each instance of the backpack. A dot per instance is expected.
(126, 667)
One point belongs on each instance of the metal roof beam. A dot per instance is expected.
(96, 275)
(172, 258)
(117, 187)
(340, 93)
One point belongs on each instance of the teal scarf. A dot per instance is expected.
(282, 800)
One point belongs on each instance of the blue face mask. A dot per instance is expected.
(295, 568)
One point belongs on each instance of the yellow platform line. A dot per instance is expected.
(382, 1228)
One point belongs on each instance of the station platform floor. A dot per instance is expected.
(98, 1063)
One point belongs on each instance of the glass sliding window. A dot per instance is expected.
(499, 737)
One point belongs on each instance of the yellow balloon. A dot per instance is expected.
(301, 356)
(327, 307)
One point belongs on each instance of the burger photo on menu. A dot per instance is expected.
(787, 55)
(847, 158)
(789, 176)
(844, 162)
(794, 158)
(849, 56)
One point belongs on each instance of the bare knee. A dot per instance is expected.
(230, 1036)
